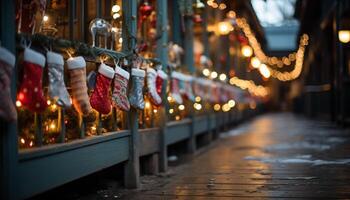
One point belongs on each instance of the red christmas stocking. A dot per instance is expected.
(161, 76)
(100, 100)
(120, 97)
(151, 86)
(80, 95)
(31, 93)
(7, 108)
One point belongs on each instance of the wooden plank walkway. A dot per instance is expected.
(275, 156)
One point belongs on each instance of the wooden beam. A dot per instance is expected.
(132, 167)
(8, 136)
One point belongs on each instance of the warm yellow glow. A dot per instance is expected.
(252, 105)
(247, 51)
(18, 103)
(93, 128)
(198, 99)
(171, 111)
(147, 105)
(181, 107)
(116, 15)
(222, 77)
(214, 74)
(46, 18)
(256, 90)
(255, 62)
(23, 141)
(31, 143)
(231, 14)
(115, 8)
(210, 2)
(231, 103)
(222, 6)
(155, 110)
(177, 117)
(170, 99)
(197, 106)
(264, 71)
(217, 107)
(120, 40)
(214, 5)
(48, 102)
(226, 107)
(52, 126)
(224, 28)
(206, 72)
(344, 36)
(53, 107)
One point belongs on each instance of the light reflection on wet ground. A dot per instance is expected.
(273, 156)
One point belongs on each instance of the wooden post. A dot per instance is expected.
(162, 54)
(189, 62)
(8, 136)
(132, 167)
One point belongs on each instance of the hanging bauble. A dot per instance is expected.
(198, 6)
(197, 18)
(145, 9)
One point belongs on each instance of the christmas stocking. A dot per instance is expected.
(187, 88)
(77, 72)
(7, 108)
(100, 100)
(161, 77)
(175, 90)
(151, 86)
(57, 88)
(136, 90)
(120, 97)
(31, 93)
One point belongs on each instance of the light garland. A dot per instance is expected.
(256, 90)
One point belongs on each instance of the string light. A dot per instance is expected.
(222, 77)
(242, 23)
(181, 107)
(247, 51)
(217, 107)
(264, 71)
(18, 103)
(198, 99)
(206, 72)
(214, 74)
(171, 111)
(255, 62)
(231, 103)
(256, 90)
(344, 36)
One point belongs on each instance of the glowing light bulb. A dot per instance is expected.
(224, 28)
(171, 111)
(264, 71)
(206, 72)
(115, 8)
(116, 15)
(344, 36)
(23, 141)
(147, 105)
(45, 18)
(217, 107)
(198, 99)
(247, 51)
(155, 110)
(222, 77)
(18, 104)
(255, 62)
(232, 103)
(181, 107)
(214, 74)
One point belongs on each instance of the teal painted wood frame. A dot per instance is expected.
(47, 167)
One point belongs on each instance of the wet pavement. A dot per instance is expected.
(271, 157)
